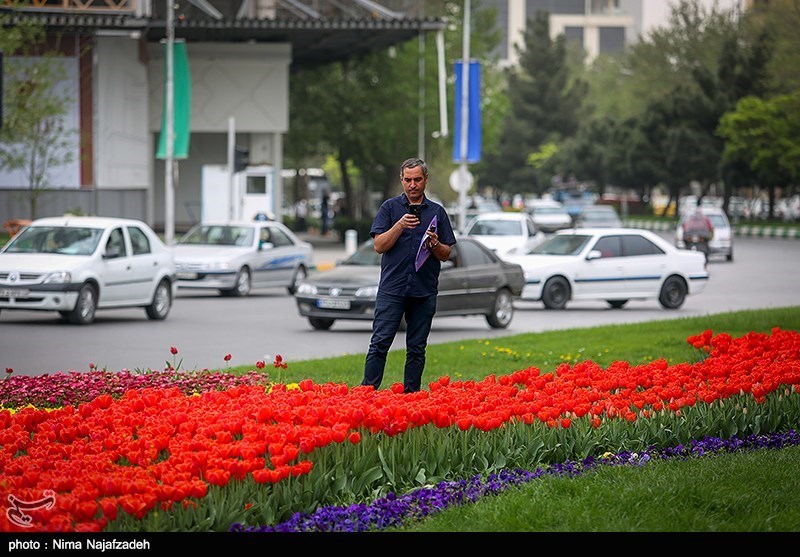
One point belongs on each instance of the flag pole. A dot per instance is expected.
(169, 188)
(462, 194)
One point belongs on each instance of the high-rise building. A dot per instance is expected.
(597, 26)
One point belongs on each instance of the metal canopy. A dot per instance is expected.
(314, 41)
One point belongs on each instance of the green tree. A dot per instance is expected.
(669, 91)
(544, 108)
(365, 110)
(33, 138)
(781, 19)
(766, 134)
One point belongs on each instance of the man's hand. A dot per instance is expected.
(408, 221)
(433, 239)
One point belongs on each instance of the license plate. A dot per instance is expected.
(14, 292)
(327, 303)
(186, 276)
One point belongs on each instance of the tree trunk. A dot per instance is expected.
(347, 185)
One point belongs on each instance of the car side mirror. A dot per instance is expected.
(594, 254)
(111, 253)
(262, 245)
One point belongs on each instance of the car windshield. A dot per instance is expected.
(717, 220)
(485, 227)
(55, 239)
(219, 235)
(562, 244)
(364, 255)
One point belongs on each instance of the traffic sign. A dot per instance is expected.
(461, 179)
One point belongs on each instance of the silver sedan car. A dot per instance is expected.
(235, 258)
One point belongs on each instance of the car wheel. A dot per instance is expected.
(556, 293)
(502, 310)
(617, 304)
(729, 257)
(673, 293)
(85, 306)
(242, 284)
(299, 276)
(162, 302)
(320, 323)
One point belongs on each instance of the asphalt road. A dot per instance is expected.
(206, 327)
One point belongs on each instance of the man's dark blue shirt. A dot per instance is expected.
(398, 275)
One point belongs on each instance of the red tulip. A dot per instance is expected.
(173, 350)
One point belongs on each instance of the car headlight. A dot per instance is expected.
(308, 289)
(367, 292)
(216, 266)
(57, 277)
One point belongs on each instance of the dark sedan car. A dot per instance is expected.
(474, 281)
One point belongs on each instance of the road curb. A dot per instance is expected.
(747, 230)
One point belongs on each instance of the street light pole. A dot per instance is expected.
(169, 187)
(462, 194)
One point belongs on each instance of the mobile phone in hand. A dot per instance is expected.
(415, 210)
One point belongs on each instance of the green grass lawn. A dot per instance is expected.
(743, 492)
(477, 358)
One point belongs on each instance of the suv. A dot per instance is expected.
(722, 239)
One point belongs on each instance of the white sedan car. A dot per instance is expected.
(505, 232)
(722, 239)
(76, 265)
(548, 215)
(237, 257)
(610, 264)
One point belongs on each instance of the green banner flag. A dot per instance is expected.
(182, 88)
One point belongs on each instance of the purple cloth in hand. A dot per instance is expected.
(424, 252)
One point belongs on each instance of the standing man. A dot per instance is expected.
(414, 236)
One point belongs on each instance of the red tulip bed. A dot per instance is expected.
(209, 451)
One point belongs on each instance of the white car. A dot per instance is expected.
(598, 216)
(505, 232)
(722, 239)
(236, 257)
(614, 265)
(548, 215)
(76, 265)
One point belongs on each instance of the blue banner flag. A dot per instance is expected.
(474, 124)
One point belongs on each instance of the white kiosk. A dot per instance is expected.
(253, 193)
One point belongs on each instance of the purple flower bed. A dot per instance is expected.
(393, 510)
(62, 389)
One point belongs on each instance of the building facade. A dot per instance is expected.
(240, 55)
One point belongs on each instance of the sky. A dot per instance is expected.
(656, 12)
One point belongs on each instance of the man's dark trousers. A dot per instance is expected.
(389, 310)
